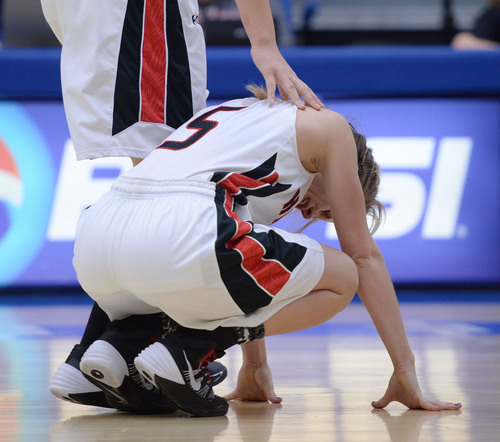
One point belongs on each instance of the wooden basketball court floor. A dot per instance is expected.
(327, 377)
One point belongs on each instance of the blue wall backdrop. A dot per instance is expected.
(432, 116)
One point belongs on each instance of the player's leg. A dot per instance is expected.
(330, 296)
(177, 364)
(109, 364)
(185, 93)
(68, 383)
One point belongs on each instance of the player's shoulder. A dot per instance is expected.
(323, 122)
(317, 134)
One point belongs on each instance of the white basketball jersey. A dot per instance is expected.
(245, 146)
(132, 71)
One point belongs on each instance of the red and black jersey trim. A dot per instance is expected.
(179, 93)
(152, 42)
(254, 266)
(260, 182)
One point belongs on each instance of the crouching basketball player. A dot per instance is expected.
(132, 72)
(186, 232)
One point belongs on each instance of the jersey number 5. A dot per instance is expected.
(202, 125)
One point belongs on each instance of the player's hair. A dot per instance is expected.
(368, 172)
(257, 91)
(369, 176)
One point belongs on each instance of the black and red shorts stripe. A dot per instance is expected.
(254, 266)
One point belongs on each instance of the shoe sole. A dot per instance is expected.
(105, 364)
(158, 366)
(105, 367)
(69, 384)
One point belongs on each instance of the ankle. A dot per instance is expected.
(244, 335)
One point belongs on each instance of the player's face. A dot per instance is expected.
(314, 204)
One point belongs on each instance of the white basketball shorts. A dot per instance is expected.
(173, 246)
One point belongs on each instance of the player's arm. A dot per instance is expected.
(257, 19)
(327, 145)
(332, 152)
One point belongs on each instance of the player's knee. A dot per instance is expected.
(340, 276)
(350, 281)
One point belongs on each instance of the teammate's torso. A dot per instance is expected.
(131, 71)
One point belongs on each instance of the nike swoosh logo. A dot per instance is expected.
(120, 399)
(214, 377)
(107, 389)
(195, 385)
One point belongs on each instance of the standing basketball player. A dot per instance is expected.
(199, 206)
(132, 71)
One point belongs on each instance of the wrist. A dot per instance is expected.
(254, 353)
(264, 44)
(405, 364)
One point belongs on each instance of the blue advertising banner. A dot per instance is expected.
(440, 161)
